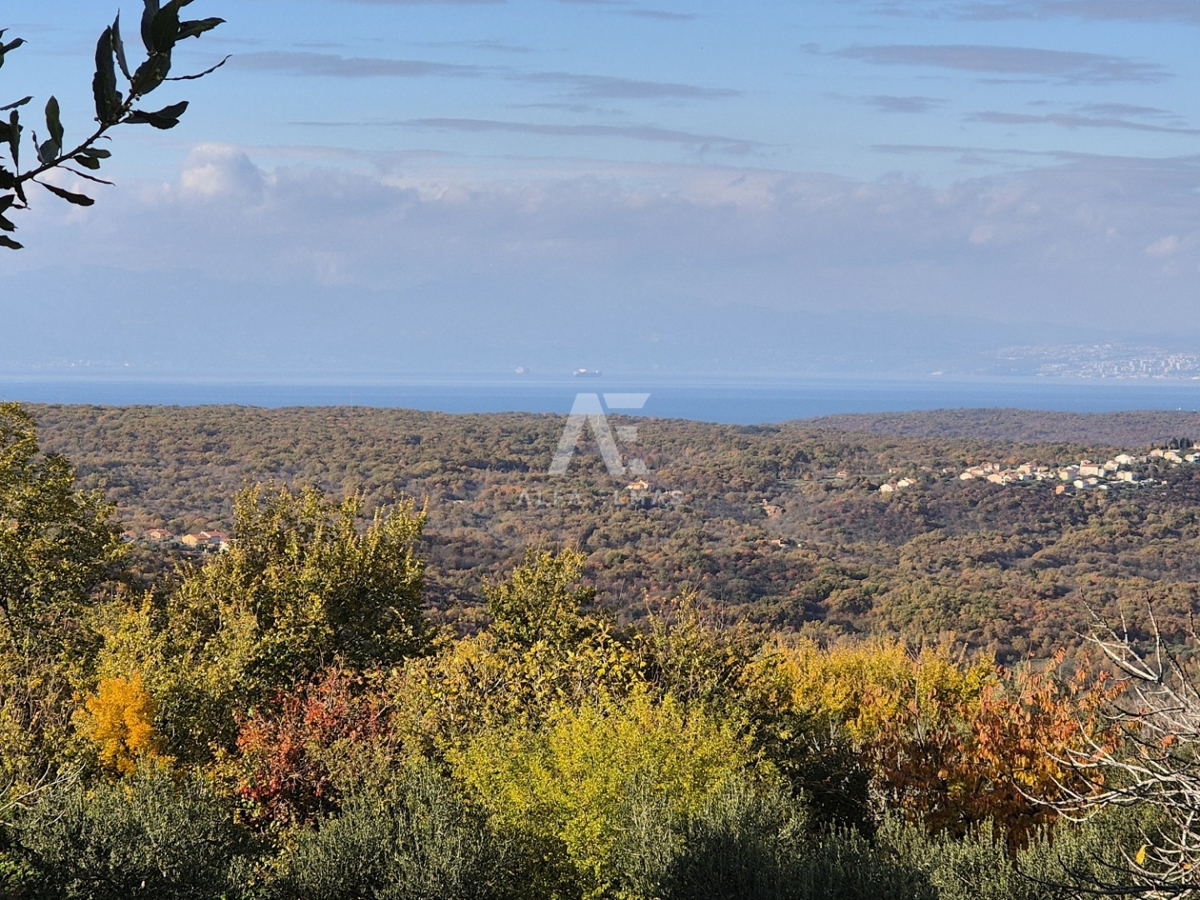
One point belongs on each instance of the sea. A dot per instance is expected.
(730, 401)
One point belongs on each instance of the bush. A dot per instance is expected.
(418, 840)
(145, 837)
(566, 789)
(1068, 860)
(751, 843)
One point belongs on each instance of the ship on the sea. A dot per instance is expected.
(587, 373)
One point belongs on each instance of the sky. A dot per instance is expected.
(386, 188)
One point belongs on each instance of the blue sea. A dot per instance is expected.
(730, 401)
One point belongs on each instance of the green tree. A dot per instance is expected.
(540, 603)
(58, 546)
(161, 29)
(301, 587)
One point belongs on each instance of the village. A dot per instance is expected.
(208, 541)
(1120, 471)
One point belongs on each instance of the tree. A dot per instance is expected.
(161, 29)
(58, 547)
(1156, 768)
(301, 587)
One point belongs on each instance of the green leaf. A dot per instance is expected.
(150, 74)
(198, 27)
(4, 48)
(54, 122)
(47, 151)
(104, 85)
(14, 138)
(165, 118)
(90, 158)
(164, 28)
(10, 243)
(77, 199)
(148, 15)
(119, 47)
(21, 102)
(6, 225)
(6, 201)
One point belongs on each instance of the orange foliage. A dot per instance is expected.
(286, 775)
(122, 723)
(950, 743)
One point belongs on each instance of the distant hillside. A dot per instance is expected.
(783, 525)
(1118, 429)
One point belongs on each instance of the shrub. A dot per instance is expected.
(566, 788)
(144, 837)
(754, 843)
(122, 723)
(417, 841)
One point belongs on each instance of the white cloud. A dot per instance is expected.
(215, 170)
(1168, 246)
(1082, 238)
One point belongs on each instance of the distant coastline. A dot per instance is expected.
(734, 401)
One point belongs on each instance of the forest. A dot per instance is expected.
(420, 667)
(1009, 569)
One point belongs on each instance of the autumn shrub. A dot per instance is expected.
(120, 721)
(289, 754)
(950, 742)
(545, 649)
(565, 789)
(415, 838)
(147, 836)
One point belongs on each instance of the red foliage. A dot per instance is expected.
(285, 776)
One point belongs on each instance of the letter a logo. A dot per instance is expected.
(587, 410)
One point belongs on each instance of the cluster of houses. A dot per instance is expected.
(1085, 475)
(201, 540)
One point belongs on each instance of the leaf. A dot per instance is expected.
(90, 158)
(14, 138)
(9, 243)
(54, 122)
(4, 48)
(6, 201)
(165, 118)
(164, 28)
(6, 225)
(198, 27)
(150, 75)
(1140, 858)
(119, 47)
(47, 151)
(148, 15)
(77, 199)
(15, 105)
(104, 84)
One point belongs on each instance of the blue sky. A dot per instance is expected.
(404, 186)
